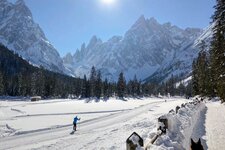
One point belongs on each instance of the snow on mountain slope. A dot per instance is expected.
(182, 62)
(21, 34)
(141, 51)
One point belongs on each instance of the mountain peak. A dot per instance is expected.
(68, 58)
(68, 55)
(83, 46)
(20, 2)
(152, 20)
(94, 40)
(22, 8)
(141, 20)
(30, 41)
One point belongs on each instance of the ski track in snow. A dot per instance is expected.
(72, 113)
(92, 134)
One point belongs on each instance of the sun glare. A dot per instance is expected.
(108, 2)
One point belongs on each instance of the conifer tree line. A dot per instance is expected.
(19, 78)
(174, 86)
(95, 87)
(209, 67)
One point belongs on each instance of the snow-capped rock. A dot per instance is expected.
(145, 47)
(182, 63)
(21, 34)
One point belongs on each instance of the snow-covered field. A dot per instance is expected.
(107, 125)
(104, 125)
(26, 116)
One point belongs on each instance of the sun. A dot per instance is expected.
(108, 2)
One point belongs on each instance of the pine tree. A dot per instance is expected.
(181, 89)
(33, 84)
(112, 89)
(20, 85)
(188, 90)
(84, 87)
(88, 89)
(171, 86)
(1, 84)
(135, 86)
(93, 77)
(121, 86)
(202, 65)
(217, 57)
(40, 83)
(77, 87)
(106, 89)
(195, 86)
(129, 87)
(98, 88)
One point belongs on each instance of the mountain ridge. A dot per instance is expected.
(143, 49)
(186, 60)
(150, 50)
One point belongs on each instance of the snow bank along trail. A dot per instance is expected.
(181, 128)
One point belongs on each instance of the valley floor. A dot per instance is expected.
(104, 125)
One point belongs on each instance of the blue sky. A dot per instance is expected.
(69, 23)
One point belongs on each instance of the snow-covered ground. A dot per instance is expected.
(107, 125)
(215, 126)
(104, 125)
(182, 126)
(210, 126)
(23, 116)
(205, 120)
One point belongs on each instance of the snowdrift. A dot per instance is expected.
(180, 127)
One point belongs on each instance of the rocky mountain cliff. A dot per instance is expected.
(181, 65)
(20, 33)
(145, 48)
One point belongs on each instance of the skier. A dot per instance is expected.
(75, 123)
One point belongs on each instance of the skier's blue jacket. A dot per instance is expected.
(75, 120)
